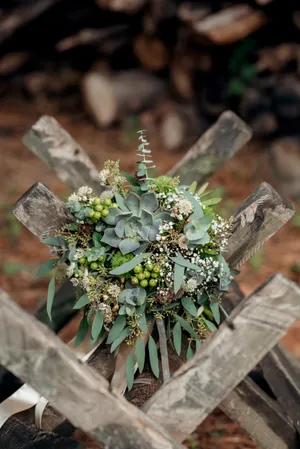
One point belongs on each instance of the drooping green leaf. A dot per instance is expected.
(224, 311)
(143, 323)
(193, 187)
(128, 266)
(82, 301)
(52, 241)
(131, 179)
(97, 324)
(50, 297)
(214, 307)
(210, 325)
(124, 334)
(198, 344)
(179, 260)
(46, 267)
(189, 353)
(140, 354)
(178, 277)
(212, 202)
(130, 370)
(118, 326)
(82, 331)
(202, 189)
(177, 336)
(189, 306)
(187, 326)
(153, 356)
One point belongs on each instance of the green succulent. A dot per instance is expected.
(135, 223)
(131, 298)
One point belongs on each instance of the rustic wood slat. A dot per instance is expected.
(32, 352)
(214, 148)
(260, 416)
(41, 211)
(282, 373)
(254, 327)
(48, 140)
(262, 214)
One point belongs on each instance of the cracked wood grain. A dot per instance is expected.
(33, 353)
(48, 140)
(42, 212)
(252, 330)
(214, 148)
(262, 214)
(282, 373)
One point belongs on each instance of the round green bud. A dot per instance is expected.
(138, 269)
(141, 276)
(91, 214)
(104, 213)
(152, 282)
(156, 269)
(144, 283)
(97, 215)
(94, 265)
(97, 200)
(154, 275)
(99, 208)
(82, 260)
(107, 202)
(114, 205)
(147, 274)
(149, 266)
(134, 280)
(101, 259)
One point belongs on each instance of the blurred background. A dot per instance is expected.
(107, 68)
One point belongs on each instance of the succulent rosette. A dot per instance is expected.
(146, 249)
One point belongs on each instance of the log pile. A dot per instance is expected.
(184, 61)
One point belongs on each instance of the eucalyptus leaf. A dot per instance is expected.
(82, 302)
(97, 324)
(214, 307)
(82, 331)
(124, 334)
(50, 297)
(210, 325)
(46, 267)
(53, 241)
(130, 370)
(140, 354)
(179, 260)
(186, 326)
(189, 353)
(118, 326)
(143, 323)
(128, 266)
(189, 306)
(202, 189)
(153, 356)
(96, 239)
(177, 336)
(178, 277)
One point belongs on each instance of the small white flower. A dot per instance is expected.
(184, 206)
(107, 194)
(84, 191)
(70, 269)
(74, 282)
(114, 290)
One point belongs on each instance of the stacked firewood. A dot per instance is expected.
(184, 61)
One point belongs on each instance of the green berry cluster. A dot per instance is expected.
(100, 208)
(93, 265)
(146, 275)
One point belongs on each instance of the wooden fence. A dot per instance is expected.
(216, 375)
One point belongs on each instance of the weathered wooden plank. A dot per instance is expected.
(214, 148)
(41, 211)
(251, 331)
(48, 140)
(257, 219)
(260, 416)
(32, 352)
(282, 373)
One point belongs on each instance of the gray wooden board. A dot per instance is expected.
(252, 330)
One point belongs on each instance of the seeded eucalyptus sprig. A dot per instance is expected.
(141, 174)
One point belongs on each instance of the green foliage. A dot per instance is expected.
(131, 298)
(153, 356)
(97, 324)
(130, 370)
(50, 296)
(177, 336)
(82, 302)
(82, 331)
(128, 266)
(140, 354)
(116, 329)
(46, 267)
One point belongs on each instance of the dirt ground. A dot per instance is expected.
(21, 252)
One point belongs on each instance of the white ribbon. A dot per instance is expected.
(26, 397)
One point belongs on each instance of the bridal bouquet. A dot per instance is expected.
(146, 253)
